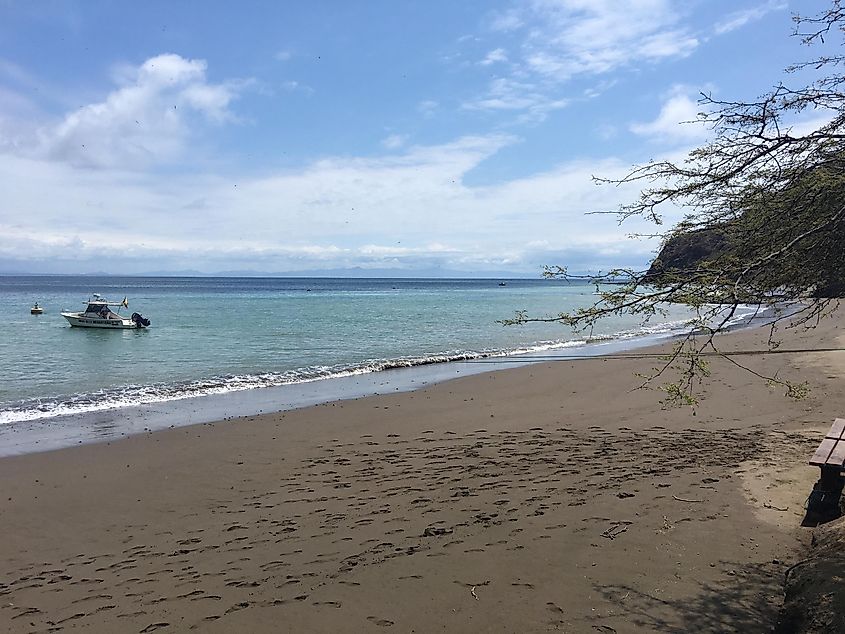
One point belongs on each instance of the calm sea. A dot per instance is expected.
(219, 335)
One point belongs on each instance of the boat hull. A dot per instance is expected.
(81, 321)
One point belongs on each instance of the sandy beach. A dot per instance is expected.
(543, 498)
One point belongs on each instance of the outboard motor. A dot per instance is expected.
(140, 320)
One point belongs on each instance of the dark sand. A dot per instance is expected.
(544, 498)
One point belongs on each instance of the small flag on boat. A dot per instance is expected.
(124, 303)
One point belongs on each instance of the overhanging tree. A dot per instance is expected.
(766, 196)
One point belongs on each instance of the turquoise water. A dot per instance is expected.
(217, 335)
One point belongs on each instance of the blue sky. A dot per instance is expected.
(437, 137)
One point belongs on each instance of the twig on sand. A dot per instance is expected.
(616, 529)
(472, 592)
(774, 508)
(685, 499)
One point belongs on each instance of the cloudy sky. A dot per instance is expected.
(383, 135)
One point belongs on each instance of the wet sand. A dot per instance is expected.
(542, 498)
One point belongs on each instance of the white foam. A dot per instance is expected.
(133, 395)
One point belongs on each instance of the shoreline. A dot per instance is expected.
(68, 430)
(543, 497)
(112, 423)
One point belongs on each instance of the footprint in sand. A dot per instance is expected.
(378, 621)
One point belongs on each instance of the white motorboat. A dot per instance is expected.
(98, 314)
(36, 309)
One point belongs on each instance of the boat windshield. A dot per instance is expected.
(102, 310)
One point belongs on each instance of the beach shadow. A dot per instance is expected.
(748, 600)
(824, 503)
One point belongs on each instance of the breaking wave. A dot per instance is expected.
(147, 394)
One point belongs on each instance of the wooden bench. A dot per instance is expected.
(831, 452)
(823, 502)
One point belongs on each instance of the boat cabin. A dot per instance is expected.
(101, 310)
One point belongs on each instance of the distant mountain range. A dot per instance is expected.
(341, 272)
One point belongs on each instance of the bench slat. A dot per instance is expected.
(837, 456)
(823, 452)
(838, 428)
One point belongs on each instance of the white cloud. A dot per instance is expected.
(494, 56)
(603, 86)
(11, 71)
(677, 120)
(294, 86)
(428, 108)
(145, 121)
(506, 20)
(394, 141)
(669, 44)
(564, 39)
(16, 128)
(283, 56)
(406, 210)
(506, 94)
(509, 94)
(596, 36)
(738, 19)
(410, 207)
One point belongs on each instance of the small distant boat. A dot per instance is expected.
(503, 283)
(98, 314)
(36, 309)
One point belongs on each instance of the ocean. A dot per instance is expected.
(217, 336)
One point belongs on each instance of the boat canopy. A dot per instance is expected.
(96, 300)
